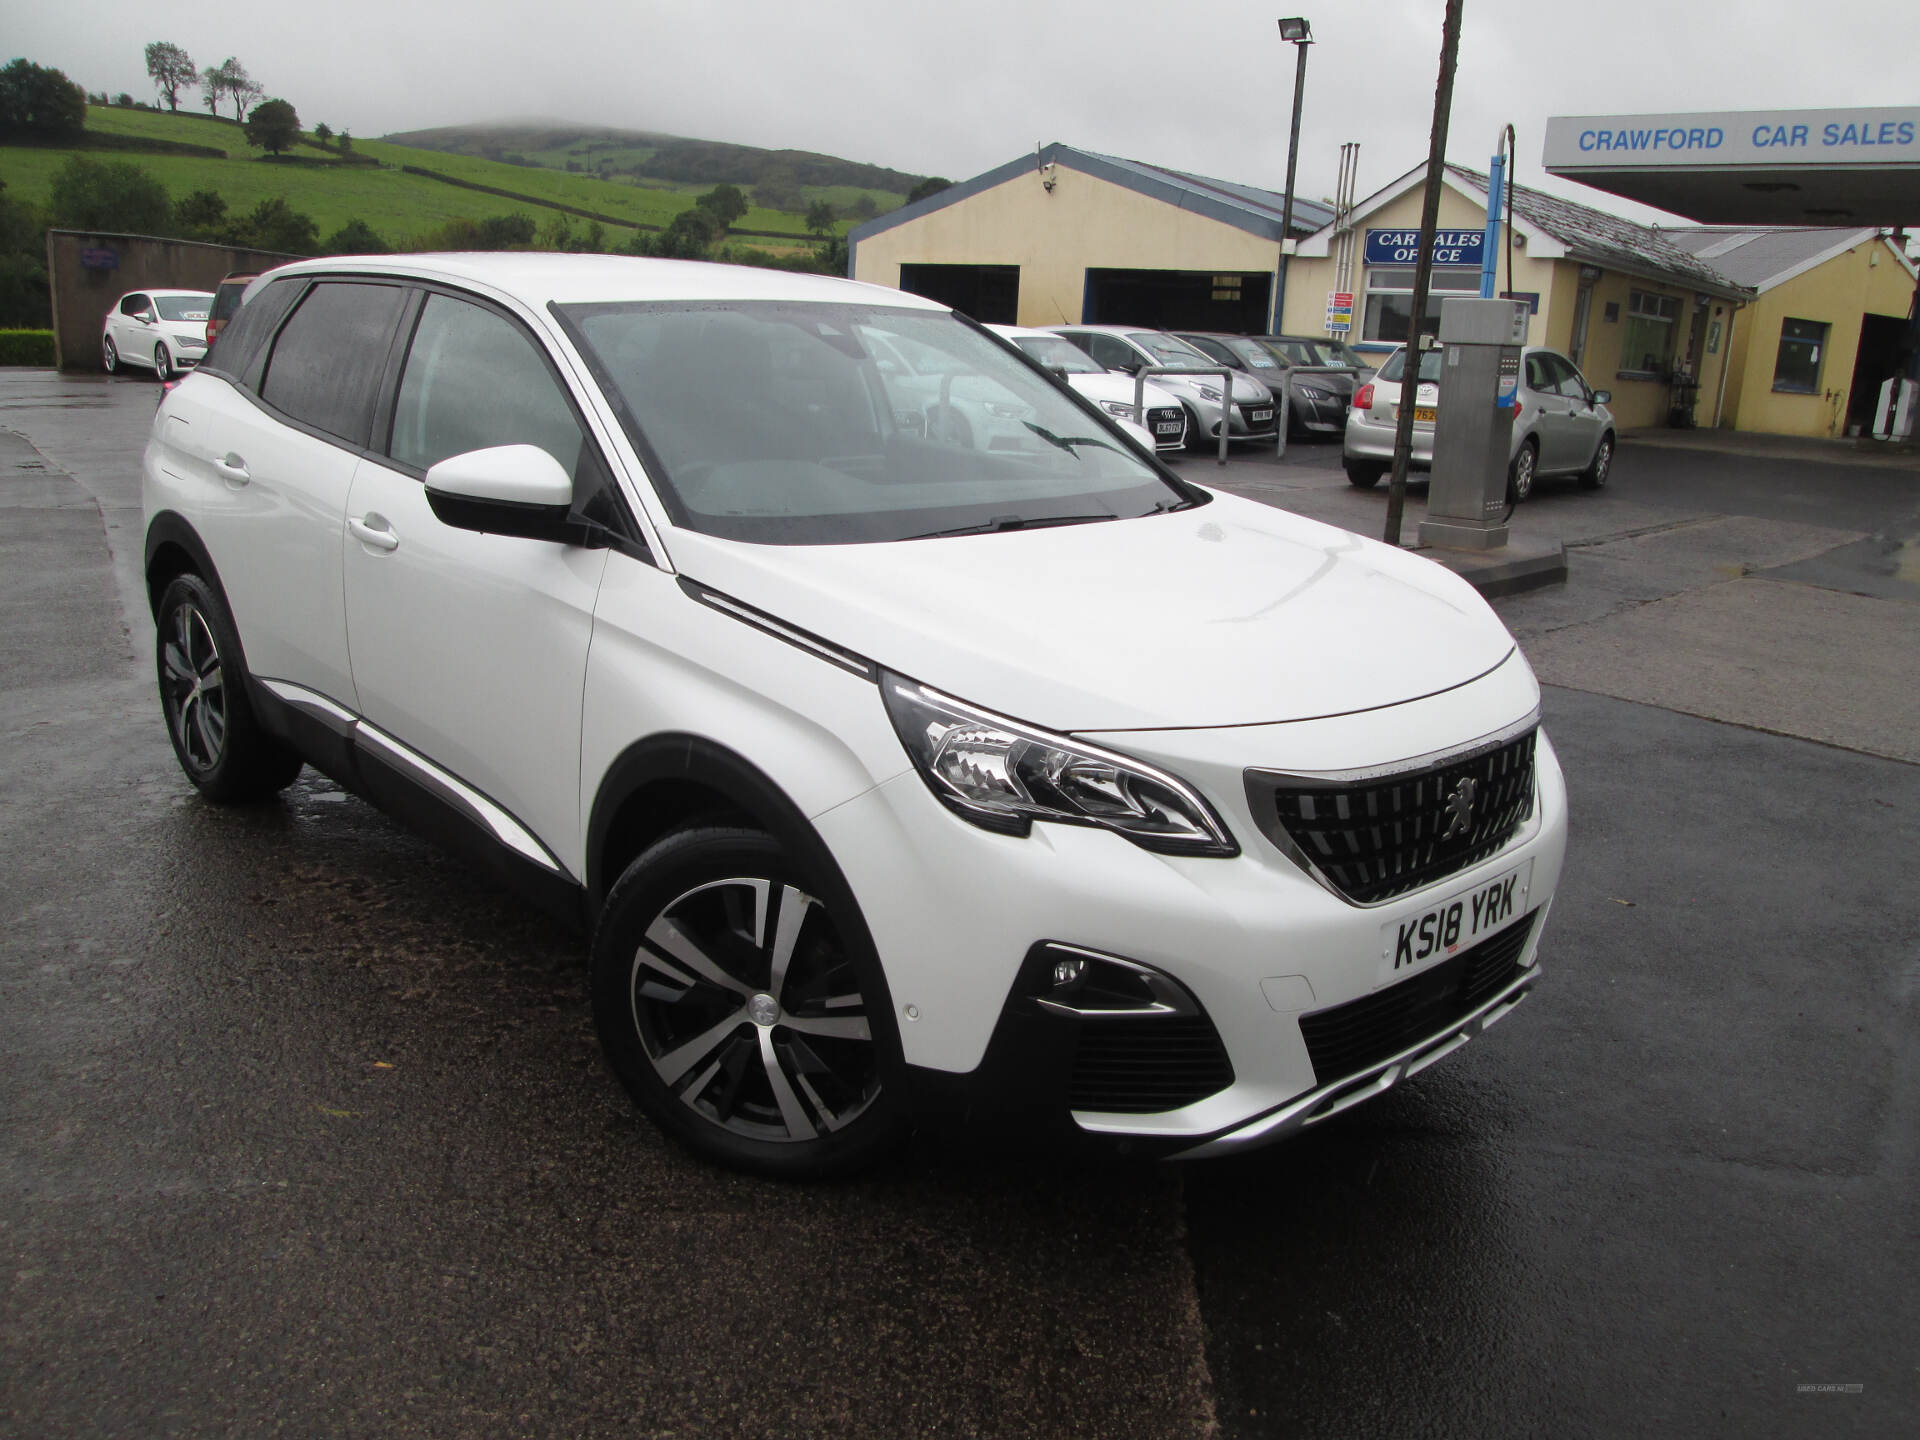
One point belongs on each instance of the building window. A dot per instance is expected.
(1797, 370)
(1648, 347)
(1390, 299)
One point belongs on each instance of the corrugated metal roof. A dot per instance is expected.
(1765, 258)
(1245, 207)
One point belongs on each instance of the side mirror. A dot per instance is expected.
(516, 490)
(1603, 397)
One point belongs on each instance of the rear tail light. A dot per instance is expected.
(213, 329)
(1364, 400)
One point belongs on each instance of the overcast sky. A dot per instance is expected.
(959, 87)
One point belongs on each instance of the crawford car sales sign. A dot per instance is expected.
(1402, 247)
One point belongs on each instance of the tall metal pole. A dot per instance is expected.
(1286, 208)
(1423, 270)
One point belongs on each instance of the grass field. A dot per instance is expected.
(397, 206)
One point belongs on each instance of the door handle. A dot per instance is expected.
(233, 468)
(373, 532)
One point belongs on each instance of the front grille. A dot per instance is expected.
(1272, 407)
(1374, 839)
(1139, 1066)
(1349, 1038)
(1165, 415)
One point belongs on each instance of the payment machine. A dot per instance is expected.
(1480, 344)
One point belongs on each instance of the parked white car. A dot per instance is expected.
(894, 779)
(1248, 411)
(1164, 417)
(160, 330)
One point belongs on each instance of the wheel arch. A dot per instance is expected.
(666, 781)
(173, 549)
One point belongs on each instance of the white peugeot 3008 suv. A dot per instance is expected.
(891, 776)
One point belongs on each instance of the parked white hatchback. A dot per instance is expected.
(1161, 413)
(164, 331)
(894, 778)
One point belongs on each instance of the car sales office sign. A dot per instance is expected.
(1402, 247)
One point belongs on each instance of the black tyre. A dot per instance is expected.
(1364, 474)
(203, 693)
(747, 1018)
(109, 356)
(1520, 474)
(162, 363)
(1595, 475)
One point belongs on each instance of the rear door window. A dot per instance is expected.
(327, 363)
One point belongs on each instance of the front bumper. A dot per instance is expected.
(958, 916)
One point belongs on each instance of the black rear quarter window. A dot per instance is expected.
(326, 365)
(250, 327)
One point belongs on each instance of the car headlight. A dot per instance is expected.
(1003, 775)
(1121, 408)
(1207, 392)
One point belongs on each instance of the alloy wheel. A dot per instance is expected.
(1523, 467)
(193, 682)
(109, 357)
(162, 362)
(750, 1013)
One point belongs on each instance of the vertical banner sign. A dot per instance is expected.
(1339, 311)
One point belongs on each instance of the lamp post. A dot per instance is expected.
(1298, 32)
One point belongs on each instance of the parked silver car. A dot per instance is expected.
(1249, 412)
(1563, 426)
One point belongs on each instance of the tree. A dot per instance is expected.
(322, 134)
(779, 190)
(725, 204)
(114, 196)
(23, 265)
(245, 94)
(229, 79)
(275, 225)
(932, 185)
(201, 215)
(356, 237)
(346, 143)
(820, 218)
(688, 235)
(213, 87)
(172, 70)
(273, 127)
(40, 102)
(864, 208)
(123, 100)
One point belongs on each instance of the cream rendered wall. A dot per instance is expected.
(1085, 223)
(1638, 401)
(1837, 293)
(1311, 280)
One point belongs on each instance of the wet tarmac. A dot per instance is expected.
(305, 1132)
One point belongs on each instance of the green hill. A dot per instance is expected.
(397, 201)
(650, 158)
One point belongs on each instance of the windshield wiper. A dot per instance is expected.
(1066, 442)
(1001, 523)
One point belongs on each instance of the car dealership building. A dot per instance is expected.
(1070, 236)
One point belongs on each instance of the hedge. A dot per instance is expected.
(26, 347)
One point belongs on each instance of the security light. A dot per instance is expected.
(1297, 29)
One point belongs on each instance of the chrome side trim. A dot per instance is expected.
(780, 630)
(313, 703)
(462, 796)
(1329, 1100)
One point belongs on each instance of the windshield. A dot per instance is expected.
(1349, 356)
(1256, 355)
(801, 424)
(1313, 352)
(1396, 363)
(183, 307)
(1171, 353)
(1058, 354)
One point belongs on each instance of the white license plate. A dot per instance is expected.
(1425, 938)
(1259, 416)
(1167, 427)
